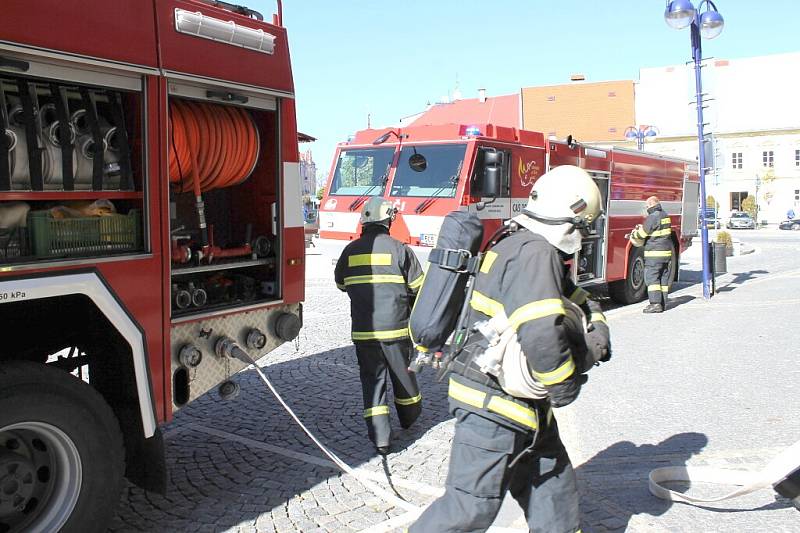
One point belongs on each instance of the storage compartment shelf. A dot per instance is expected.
(71, 195)
(222, 265)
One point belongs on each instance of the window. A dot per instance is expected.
(436, 174)
(362, 171)
(768, 158)
(736, 160)
(797, 158)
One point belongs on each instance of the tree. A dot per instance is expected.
(320, 193)
(711, 203)
(749, 206)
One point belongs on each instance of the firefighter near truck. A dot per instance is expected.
(429, 171)
(149, 229)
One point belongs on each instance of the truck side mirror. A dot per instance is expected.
(492, 164)
(491, 182)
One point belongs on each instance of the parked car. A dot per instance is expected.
(741, 220)
(712, 221)
(790, 224)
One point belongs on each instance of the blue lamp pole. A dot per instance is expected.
(640, 133)
(680, 14)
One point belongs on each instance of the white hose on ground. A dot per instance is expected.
(375, 489)
(778, 469)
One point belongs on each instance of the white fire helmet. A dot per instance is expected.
(563, 200)
(378, 210)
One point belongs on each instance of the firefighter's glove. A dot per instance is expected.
(564, 393)
(598, 345)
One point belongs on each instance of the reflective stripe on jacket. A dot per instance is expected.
(381, 276)
(657, 231)
(525, 279)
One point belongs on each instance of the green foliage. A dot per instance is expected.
(749, 206)
(711, 202)
(723, 237)
(320, 193)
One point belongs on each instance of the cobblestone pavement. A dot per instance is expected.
(705, 383)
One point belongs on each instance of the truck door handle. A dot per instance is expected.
(16, 64)
(227, 96)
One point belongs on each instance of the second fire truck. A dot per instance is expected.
(428, 171)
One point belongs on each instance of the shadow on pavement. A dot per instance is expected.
(740, 279)
(672, 303)
(622, 473)
(218, 482)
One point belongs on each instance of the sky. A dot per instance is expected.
(388, 60)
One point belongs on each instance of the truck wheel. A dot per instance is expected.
(632, 289)
(61, 452)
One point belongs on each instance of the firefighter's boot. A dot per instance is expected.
(653, 308)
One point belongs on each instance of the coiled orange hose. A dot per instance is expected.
(212, 146)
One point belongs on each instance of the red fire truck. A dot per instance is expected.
(150, 221)
(428, 171)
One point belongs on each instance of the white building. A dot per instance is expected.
(753, 119)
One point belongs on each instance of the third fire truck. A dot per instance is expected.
(428, 171)
(150, 228)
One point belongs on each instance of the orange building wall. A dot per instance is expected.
(588, 111)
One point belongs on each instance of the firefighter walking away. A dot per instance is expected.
(382, 276)
(509, 442)
(658, 249)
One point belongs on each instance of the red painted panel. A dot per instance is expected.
(122, 30)
(203, 57)
(294, 250)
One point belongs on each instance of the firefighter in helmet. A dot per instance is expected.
(504, 442)
(382, 276)
(656, 232)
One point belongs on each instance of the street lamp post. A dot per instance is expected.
(640, 133)
(679, 14)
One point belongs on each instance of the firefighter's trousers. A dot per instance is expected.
(542, 482)
(656, 276)
(378, 363)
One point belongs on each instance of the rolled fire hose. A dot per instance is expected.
(231, 349)
(777, 471)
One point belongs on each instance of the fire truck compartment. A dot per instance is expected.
(232, 161)
(71, 167)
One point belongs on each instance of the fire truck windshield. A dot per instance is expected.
(361, 172)
(438, 178)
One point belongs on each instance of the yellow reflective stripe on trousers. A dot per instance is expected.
(654, 288)
(579, 296)
(662, 232)
(408, 401)
(658, 253)
(376, 411)
(484, 304)
(517, 413)
(380, 335)
(666, 220)
(488, 261)
(556, 376)
(465, 394)
(340, 286)
(665, 288)
(374, 278)
(417, 282)
(534, 310)
(369, 259)
(598, 317)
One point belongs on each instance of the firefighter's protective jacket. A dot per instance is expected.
(523, 276)
(381, 276)
(656, 229)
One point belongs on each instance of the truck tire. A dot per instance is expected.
(61, 452)
(632, 289)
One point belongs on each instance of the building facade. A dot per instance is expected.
(308, 178)
(596, 111)
(753, 125)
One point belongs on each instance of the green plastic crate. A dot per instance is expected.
(95, 236)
